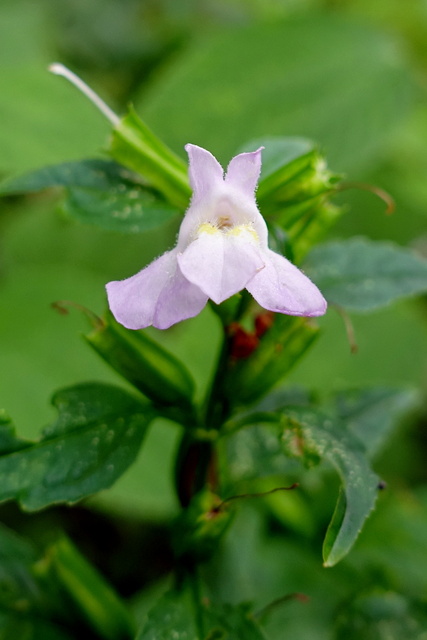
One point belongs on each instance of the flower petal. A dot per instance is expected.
(179, 300)
(243, 171)
(221, 264)
(282, 287)
(204, 171)
(133, 301)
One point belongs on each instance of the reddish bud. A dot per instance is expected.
(242, 343)
(263, 323)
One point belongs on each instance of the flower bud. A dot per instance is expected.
(144, 363)
(200, 527)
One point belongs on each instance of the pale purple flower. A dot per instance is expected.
(222, 248)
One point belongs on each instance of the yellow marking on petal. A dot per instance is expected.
(206, 227)
(243, 228)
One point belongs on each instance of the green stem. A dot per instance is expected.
(216, 406)
(197, 602)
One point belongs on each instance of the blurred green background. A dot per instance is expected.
(351, 75)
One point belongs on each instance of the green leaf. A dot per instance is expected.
(94, 440)
(372, 413)
(99, 192)
(9, 442)
(361, 275)
(253, 453)
(311, 432)
(251, 447)
(134, 210)
(92, 174)
(299, 77)
(94, 597)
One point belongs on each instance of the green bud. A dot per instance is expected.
(144, 363)
(304, 178)
(283, 175)
(312, 227)
(199, 528)
(134, 145)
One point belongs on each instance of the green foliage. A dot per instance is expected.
(86, 174)
(312, 432)
(361, 275)
(9, 442)
(252, 453)
(96, 437)
(100, 193)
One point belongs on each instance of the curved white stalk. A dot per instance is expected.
(60, 70)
